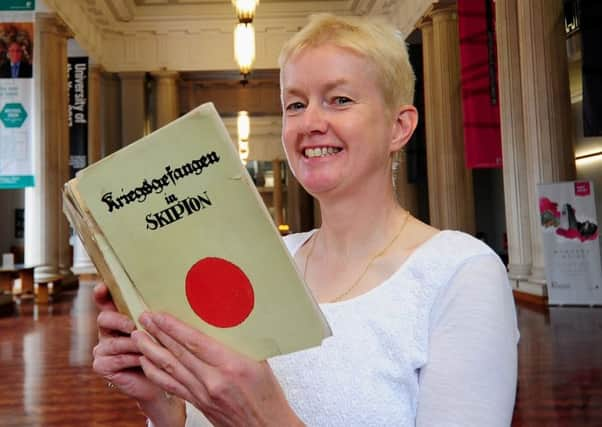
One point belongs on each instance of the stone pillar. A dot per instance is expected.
(133, 111)
(277, 195)
(94, 113)
(407, 194)
(453, 187)
(516, 196)
(546, 108)
(167, 104)
(111, 113)
(81, 261)
(48, 247)
(431, 125)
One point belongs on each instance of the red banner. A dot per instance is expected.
(480, 97)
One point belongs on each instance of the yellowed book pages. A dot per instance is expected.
(180, 224)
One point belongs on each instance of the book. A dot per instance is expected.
(174, 223)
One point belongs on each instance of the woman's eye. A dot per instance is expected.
(294, 106)
(341, 100)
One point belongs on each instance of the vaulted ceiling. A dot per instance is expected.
(187, 35)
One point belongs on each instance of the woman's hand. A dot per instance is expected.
(230, 389)
(117, 359)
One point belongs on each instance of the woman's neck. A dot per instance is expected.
(353, 225)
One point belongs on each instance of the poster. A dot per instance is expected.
(16, 102)
(571, 243)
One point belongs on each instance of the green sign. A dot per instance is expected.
(15, 181)
(17, 4)
(13, 115)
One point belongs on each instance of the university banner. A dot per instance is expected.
(16, 101)
(571, 243)
(77, 68)
(480, 98)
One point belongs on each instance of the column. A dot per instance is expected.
(133, 111)
(167, 106)
(94, 113)
(407, 194)
(47, 231)
(546, 109)
(111, 113)
(516, 196)
(431, 125)
(81, 261)
(453, 188)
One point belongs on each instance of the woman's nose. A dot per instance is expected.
(314, 119)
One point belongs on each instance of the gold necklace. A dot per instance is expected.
(365, 270)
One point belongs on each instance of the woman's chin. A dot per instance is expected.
(320, 187)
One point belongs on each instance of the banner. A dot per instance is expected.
(16, 103)
(571, 243)
(77, 69)
(480, 97)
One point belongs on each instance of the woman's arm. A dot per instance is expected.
(470, 377)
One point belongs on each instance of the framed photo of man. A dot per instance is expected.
(16, 50)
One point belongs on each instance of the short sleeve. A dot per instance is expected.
(471, 373)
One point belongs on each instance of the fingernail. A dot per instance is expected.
(146, 320)
(157, 318)
(134, 335)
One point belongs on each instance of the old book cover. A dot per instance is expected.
(174, 223)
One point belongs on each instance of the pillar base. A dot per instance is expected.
(533, 288)
(84, 270)
(519, 271)
(81, 261)
(46, 273)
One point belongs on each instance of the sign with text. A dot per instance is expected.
(16, 103)
(77, 68)
(571, 243)
(17, 5)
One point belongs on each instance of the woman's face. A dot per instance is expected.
(337, 131)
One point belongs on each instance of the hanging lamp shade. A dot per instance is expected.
(243, 125)
(245, 10)
(244, 47)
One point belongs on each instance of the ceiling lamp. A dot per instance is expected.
(243, 151)
(244, 48)
(245, 10)
(243, 125)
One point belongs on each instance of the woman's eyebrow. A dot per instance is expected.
(326, 87)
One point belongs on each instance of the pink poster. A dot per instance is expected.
(571, 243)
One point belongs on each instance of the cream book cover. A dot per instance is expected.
(174, 223)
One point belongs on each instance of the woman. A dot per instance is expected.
(424, 328)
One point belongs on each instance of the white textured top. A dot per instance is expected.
(433, 345)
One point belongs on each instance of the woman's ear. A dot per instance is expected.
(406, 120)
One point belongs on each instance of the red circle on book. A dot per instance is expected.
(219, 292)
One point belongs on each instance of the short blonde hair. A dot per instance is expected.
(372, 38)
